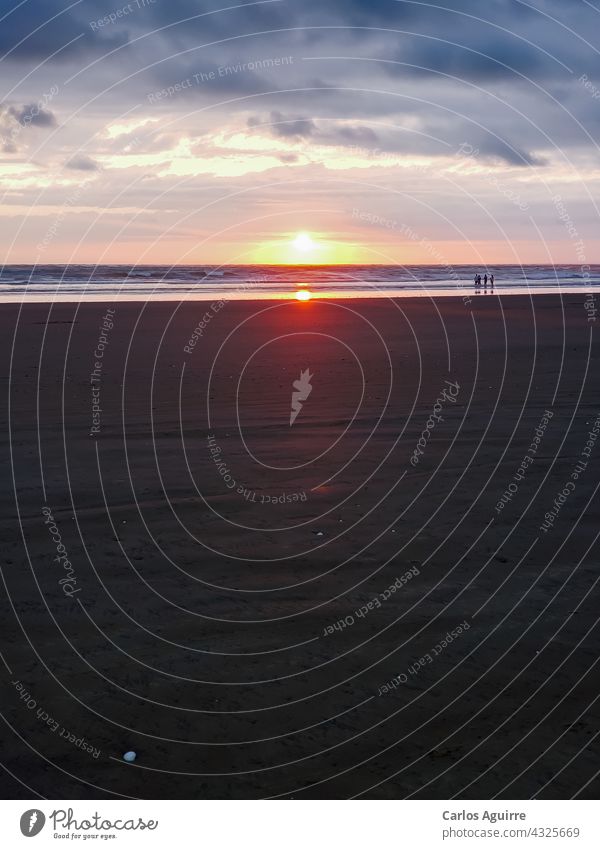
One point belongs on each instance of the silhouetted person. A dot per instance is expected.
(485, 280)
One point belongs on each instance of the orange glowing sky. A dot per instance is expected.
(147, 192)
(253, 134)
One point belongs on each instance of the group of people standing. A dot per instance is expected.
(485, 280)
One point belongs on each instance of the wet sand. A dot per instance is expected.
(259, 609)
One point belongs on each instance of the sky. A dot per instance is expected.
(299, 131)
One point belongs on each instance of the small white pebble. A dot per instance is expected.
(129, 757)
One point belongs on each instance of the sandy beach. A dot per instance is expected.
(395, 596)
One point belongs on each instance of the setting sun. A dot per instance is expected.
(303, 295)
(304, 243)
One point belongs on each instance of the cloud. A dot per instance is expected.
(499, 149)
(32, 115)
(355, 135)
(297, 127)
(80, 162)
(286, 126)
(15, 119)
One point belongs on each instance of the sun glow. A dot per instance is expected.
(306, 249)
(304, 243)
(303, 295)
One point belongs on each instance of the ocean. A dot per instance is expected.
(206, 282)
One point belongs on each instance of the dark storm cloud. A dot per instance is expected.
(33, 31)
(462, 37)
(498, 33)
(480, 60)
(465, 50)
(388, 59)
